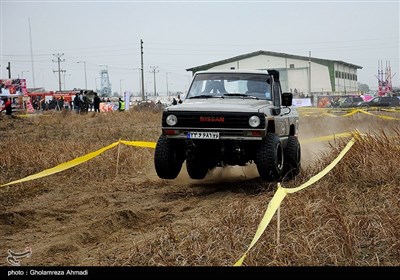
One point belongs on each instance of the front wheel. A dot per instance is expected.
(292, 165)
(167, 158)
(269, 158)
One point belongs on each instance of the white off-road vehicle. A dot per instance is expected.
(231, 117)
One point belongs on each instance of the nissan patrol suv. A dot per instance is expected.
(231, 117)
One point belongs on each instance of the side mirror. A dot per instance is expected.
(287, 99)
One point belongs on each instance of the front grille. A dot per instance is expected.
(213, 119)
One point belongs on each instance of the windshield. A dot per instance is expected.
(230, 85)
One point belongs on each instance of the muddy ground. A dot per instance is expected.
(106, 219)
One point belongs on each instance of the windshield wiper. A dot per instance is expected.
(206, 96)
(241, 95)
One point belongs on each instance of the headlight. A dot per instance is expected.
(171, 120)
(254, 121)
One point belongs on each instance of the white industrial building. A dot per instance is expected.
(326, 77)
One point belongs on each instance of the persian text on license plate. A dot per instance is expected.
(203, 135)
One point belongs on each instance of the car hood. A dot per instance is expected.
(221, 105)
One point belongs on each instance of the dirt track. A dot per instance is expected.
(75, 225)
(76, 221)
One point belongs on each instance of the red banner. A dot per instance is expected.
(13, 87)
(106, 107)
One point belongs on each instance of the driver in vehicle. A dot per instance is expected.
(258, 89)
(215, 87)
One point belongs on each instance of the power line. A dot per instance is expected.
(154, 73)
(59, 60)
(160, 46)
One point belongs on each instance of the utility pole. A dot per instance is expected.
(154, 73)
(30, 40)
(166, 74)
(84, 68)
(309, 73)
(9, 70)
(59, 60)
(141, 57)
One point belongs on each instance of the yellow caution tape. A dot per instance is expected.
(139, 144)
(326, 170)
(63, 166)
(79, 160)
(281, 193)
(388, 110)
(352, 112)
(382, 117)
(272, 207)
(327, 113)
(330, 115)
(326, 138)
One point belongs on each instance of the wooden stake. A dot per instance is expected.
(116, 170)
(278, 227)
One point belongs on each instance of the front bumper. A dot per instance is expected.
(224, 134)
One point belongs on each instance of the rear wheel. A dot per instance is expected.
(197, 168)
(292, 162)
(167, 158)
(269, 158)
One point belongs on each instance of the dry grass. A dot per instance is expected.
(350, 217)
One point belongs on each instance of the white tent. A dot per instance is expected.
(7, 94)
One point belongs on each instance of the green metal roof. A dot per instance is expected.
(285, 55)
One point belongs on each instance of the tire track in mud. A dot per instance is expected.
(78, 226)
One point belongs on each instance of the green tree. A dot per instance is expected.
(363, 87)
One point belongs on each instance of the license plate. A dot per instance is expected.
(203, 135)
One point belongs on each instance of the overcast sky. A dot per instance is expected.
(182, 34)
